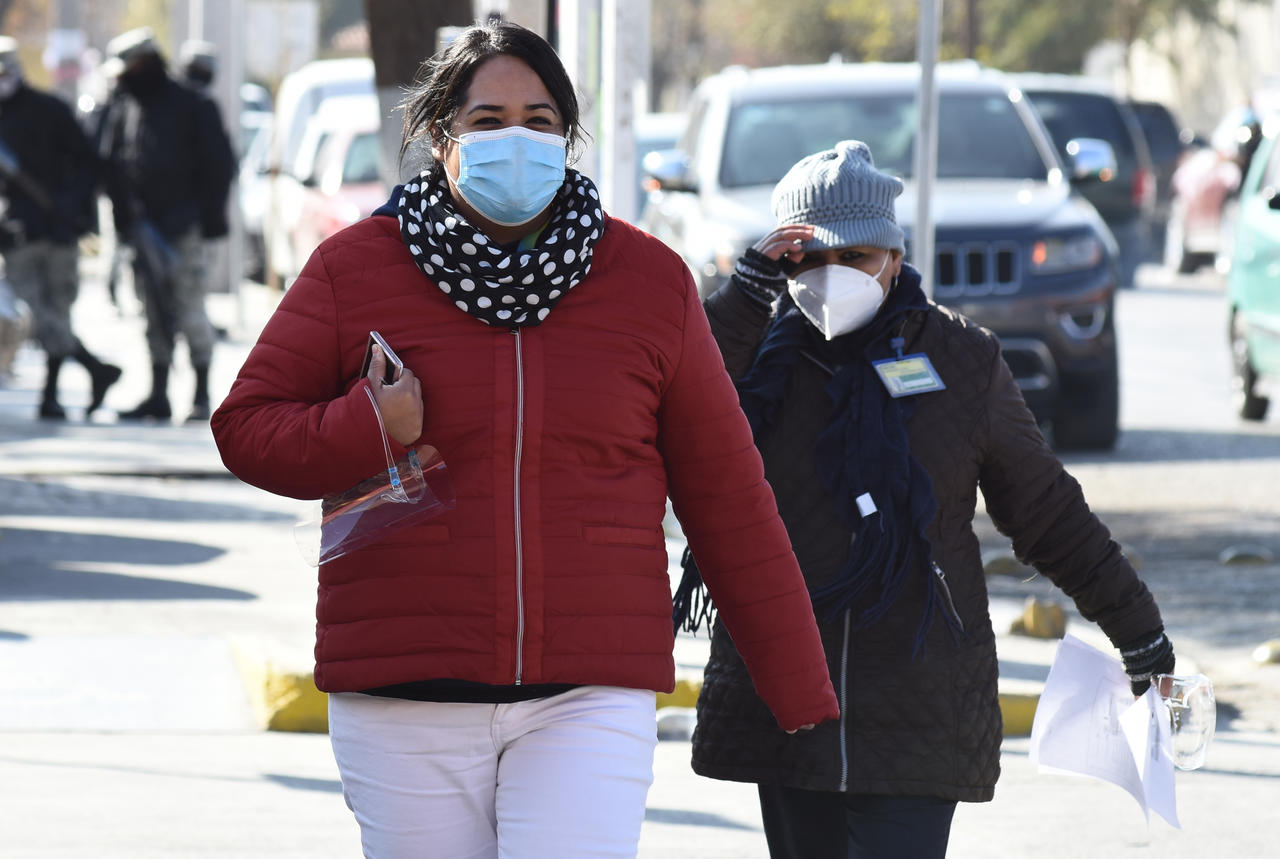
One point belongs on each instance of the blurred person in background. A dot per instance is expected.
(198, 64)
(879, 415)
(198, 67)
(169, 166)
(492, 671)
(47, 182)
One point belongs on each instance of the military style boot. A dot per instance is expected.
(200, 407)
(49, 408)
(156, 405)
(101, 376)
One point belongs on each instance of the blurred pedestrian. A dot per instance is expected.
(879, 416)
(47, 169)
(492, 672)
(198, 64)
(168, 176)
(198, 68)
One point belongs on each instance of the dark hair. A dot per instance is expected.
(443, 80)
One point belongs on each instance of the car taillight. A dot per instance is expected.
(1143, 192)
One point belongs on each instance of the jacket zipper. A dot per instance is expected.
(948, 603)
(844, 699)
(516, 498)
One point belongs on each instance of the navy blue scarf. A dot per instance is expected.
(865, 449)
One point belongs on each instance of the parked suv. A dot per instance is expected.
(1017, 250)
(1074, 107)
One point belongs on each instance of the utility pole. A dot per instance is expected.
(221, 23)
(604, 44)
(926, 165)
(972, 31)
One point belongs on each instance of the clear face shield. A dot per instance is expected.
(1193, 716)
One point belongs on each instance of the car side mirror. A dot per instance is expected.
(1091, 159)
(670, 169)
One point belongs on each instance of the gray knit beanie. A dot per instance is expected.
(844, 196)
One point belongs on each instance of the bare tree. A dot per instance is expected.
(402, 33)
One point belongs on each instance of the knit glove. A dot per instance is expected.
(1146, 657)
(760, 278)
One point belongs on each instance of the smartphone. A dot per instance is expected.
(394, 364)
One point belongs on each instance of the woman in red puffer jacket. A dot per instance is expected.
(492, 670)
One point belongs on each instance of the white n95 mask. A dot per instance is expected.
(838, 299)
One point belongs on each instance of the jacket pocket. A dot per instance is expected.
(620, 535)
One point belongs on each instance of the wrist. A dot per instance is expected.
(759, 278)
(1145, 657)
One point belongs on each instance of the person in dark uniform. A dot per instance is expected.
(47, 171)
(169, 166)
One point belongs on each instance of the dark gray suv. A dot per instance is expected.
(1072, 107)
(1018, 249)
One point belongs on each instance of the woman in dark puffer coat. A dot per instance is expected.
(878, 493)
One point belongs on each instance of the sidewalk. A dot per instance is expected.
(131, 603)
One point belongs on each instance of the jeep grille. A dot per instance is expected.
(977, 268)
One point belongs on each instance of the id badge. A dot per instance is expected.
(908, 375)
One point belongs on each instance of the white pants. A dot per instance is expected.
(562, 777)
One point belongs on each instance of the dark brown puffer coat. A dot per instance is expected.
(929, 726)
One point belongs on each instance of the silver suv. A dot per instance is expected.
(1018, 249)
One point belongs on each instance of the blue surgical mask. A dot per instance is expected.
(510, 174)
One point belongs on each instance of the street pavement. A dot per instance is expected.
(137, 580)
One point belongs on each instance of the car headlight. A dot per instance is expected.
(1053, 256)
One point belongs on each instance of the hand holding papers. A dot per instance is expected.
(1088, 723)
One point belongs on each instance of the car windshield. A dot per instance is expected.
(980, 136)
(361, 164)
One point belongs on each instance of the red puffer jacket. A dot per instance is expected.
(563, 441)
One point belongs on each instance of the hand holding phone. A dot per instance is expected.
(392, 363)
(400, 405)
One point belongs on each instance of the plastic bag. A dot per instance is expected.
(411, 490)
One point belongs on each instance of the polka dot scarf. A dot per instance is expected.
(495, 284)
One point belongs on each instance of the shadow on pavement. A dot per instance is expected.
(54, 497)
(55, 565)
(324, 785)
(1145, 445)
(683, 817)
(1013, 670)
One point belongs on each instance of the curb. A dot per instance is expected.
(289, 701)
(1018, 711)
(282, 700)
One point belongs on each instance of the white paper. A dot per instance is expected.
(1087, 723)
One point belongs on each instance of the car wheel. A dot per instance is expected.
(1244, 378)
(1087, 413)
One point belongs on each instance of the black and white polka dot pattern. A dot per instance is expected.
(495, 285)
